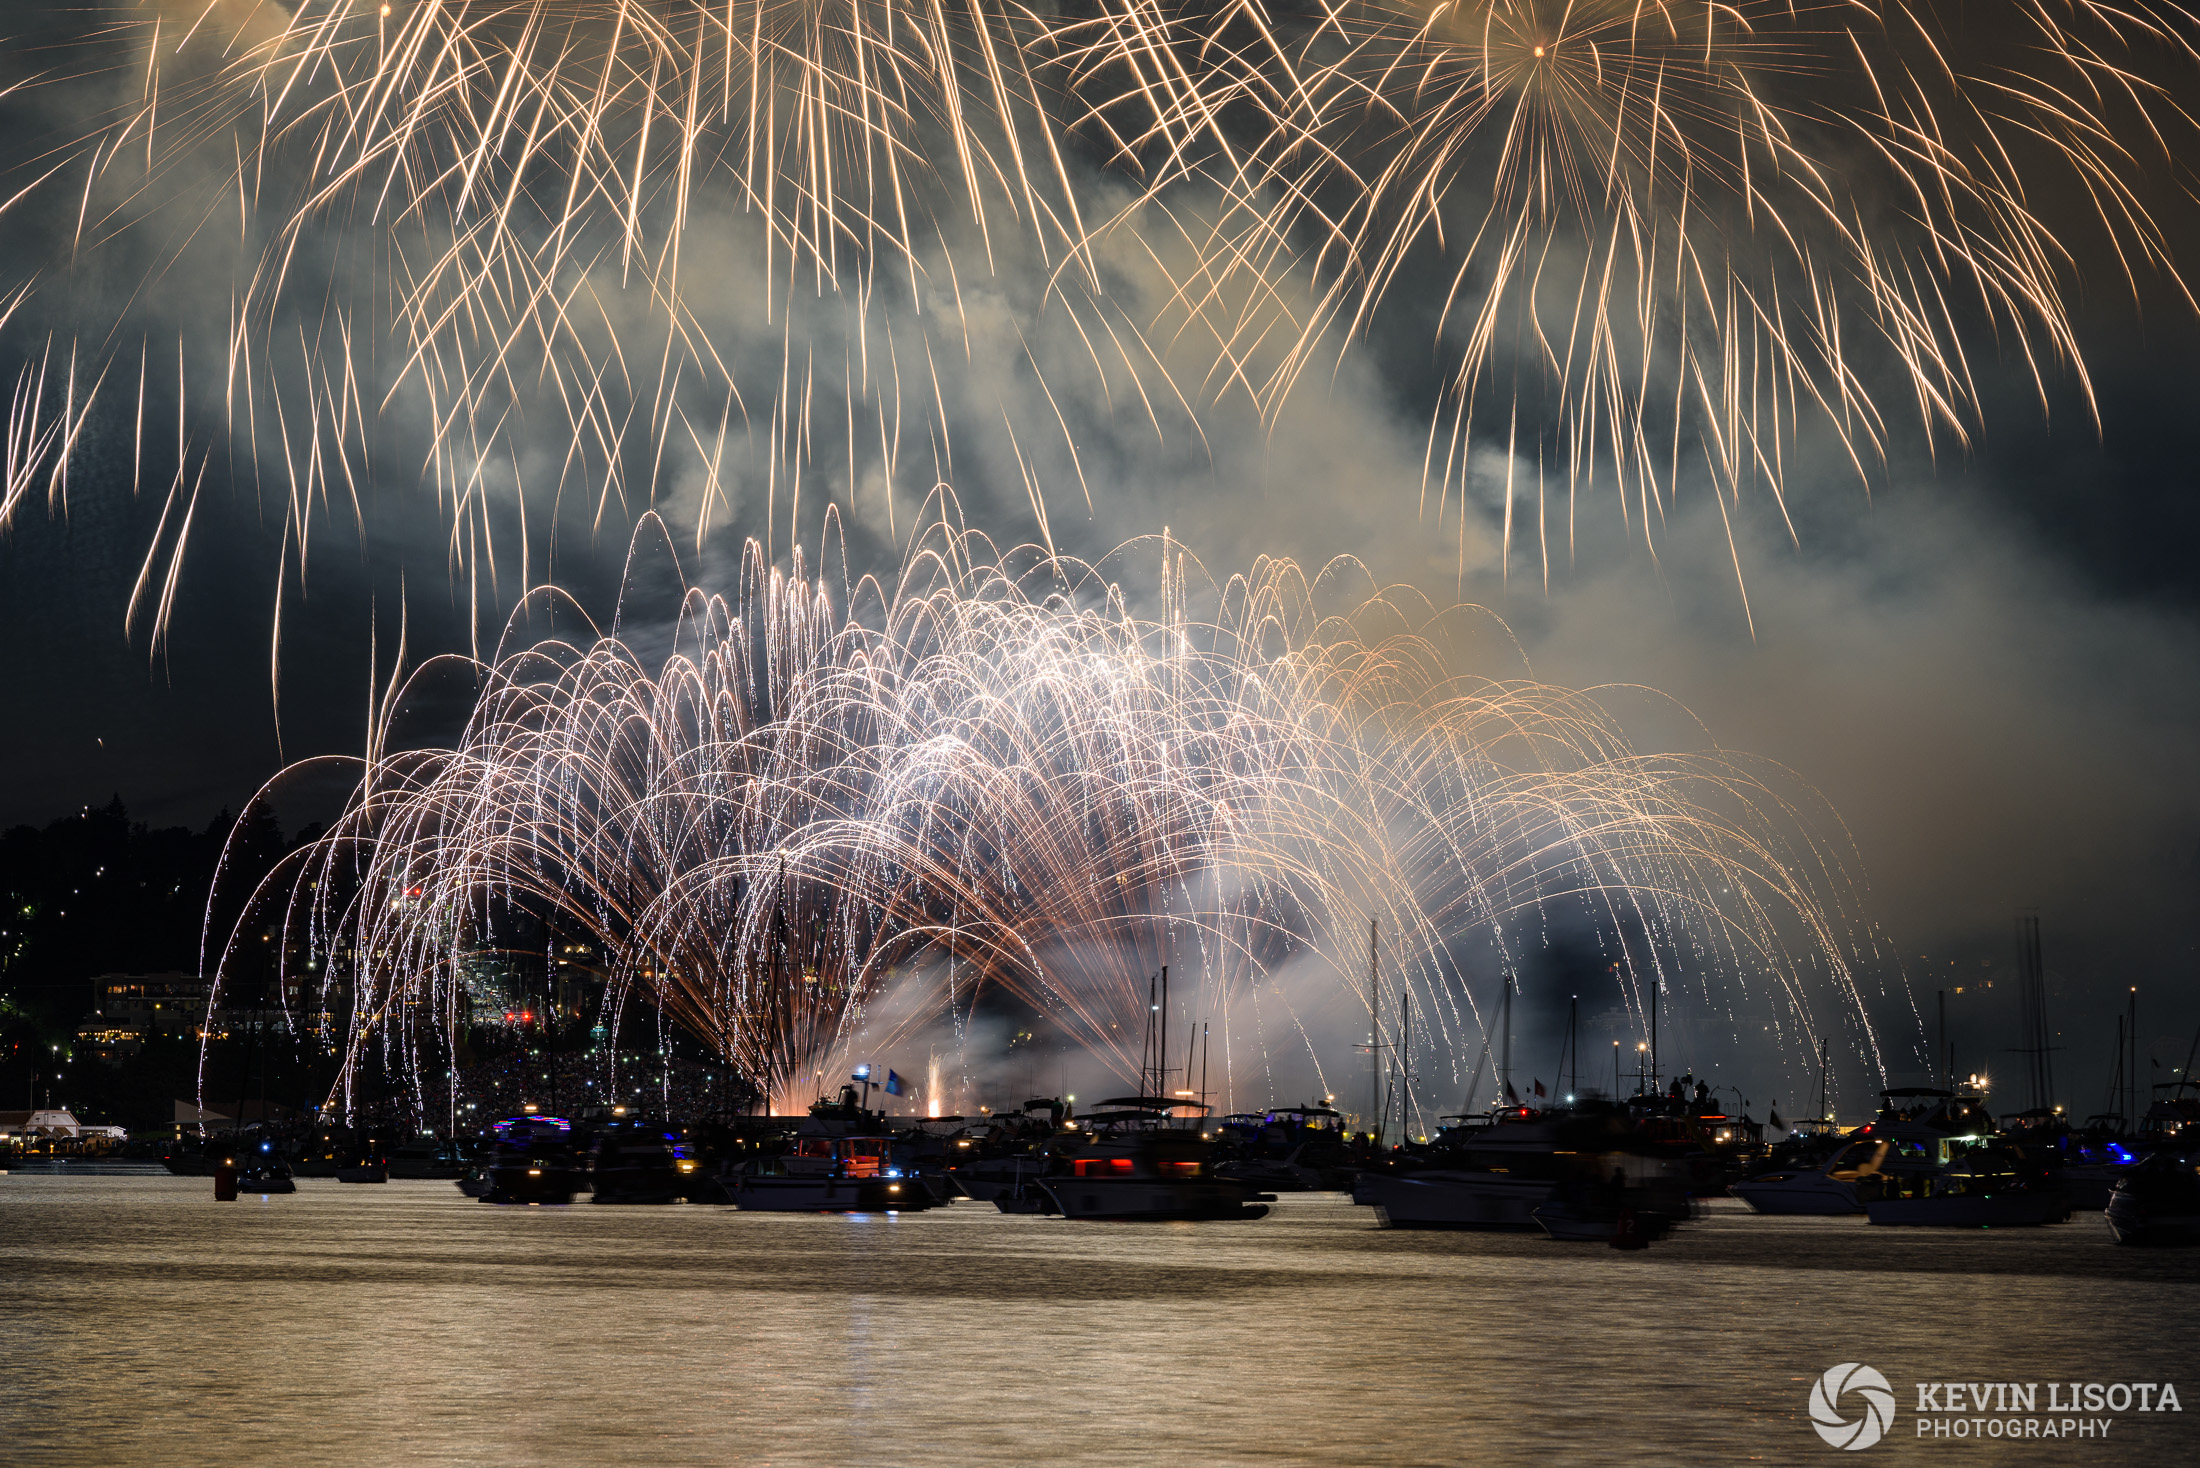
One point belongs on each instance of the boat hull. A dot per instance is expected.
(551, 1185)
(1149, 1199)
(1491, 1202)
(637, 1185)
(829, 1194)
(1273, 1177)
(2154, 1231)
(2138, 1226)
(990, 1180)
(1805, 1195)
(1992, 1210)
(1024, 1198)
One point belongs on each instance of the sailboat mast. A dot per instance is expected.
(2132, 1029)
(1205, 1045)
(1161, 1049)
(1825, 1082)
(1374, 1043)
(1505, 1047)
(1145, 1045)
(1573, 1046)
(1405, 1064)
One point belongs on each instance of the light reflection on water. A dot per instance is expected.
(141, 1322)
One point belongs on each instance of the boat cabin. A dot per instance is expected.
(841, 1157)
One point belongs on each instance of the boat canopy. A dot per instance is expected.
(1156, 1103)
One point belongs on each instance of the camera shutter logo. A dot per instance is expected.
(1871, 1391)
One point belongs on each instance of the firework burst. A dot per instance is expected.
(615, 255)
(807, 832)
(1650, 238)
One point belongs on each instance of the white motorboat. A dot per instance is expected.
(1503, 1172)
(1828, 1190)
(1456, 1198)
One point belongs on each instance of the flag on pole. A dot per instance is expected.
(1539, 1089)
(1511, 1094)
(1777, 1124)
(894, 1083)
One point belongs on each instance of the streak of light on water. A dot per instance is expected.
(141, 1322)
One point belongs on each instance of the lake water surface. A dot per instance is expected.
(142, 1322)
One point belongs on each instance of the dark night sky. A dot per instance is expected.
(1988, 667)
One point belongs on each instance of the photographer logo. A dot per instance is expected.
(1870, 1397)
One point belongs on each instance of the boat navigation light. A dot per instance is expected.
(534, 1172)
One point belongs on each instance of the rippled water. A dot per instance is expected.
(141, 1322)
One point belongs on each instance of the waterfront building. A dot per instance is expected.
(43, 1124)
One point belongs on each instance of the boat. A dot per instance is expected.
(475, 1184)
(1919, 1132)
(1642, 1201)
(636, 1162)
(1490, 1177)
(1829, 1190)
(2157, 1204)
(1993, 1186)
(988, 1179)
(1025, 1197)
(1139, 1162)
(428, 1159)
(190, 1163)
(265, 1176)
(1292, 1149)
(828, 1174)
(532, 1172)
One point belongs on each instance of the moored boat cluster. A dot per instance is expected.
(1623, 1171)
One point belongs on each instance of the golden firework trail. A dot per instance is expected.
(566, 260)
(822, 819)
(1675, 240)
